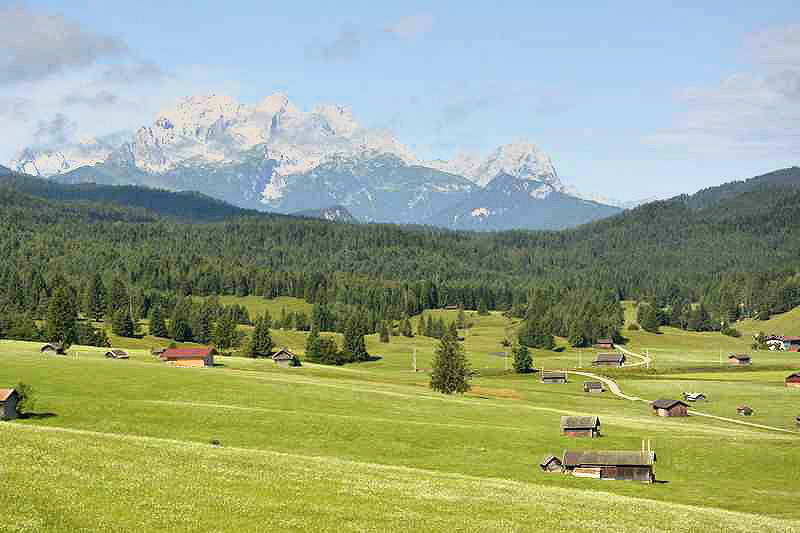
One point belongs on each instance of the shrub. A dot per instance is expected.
(731, 332)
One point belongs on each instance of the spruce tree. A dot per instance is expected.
(61, 318)
(225, 335)
(523, 362)
(451, 371)
(483, 309)
(405, 328)
(354, 346)
(313, 345)
(180, 329)
(421, 329)
(122, 323)
(96, 298)
(158, 328)
(462, 318)
(384, 332)
(430, 329)
(260, 344)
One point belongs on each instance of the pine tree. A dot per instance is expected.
(462, 318)
(180, 329)
(158, 328)
(523, 362)
(225, 335)
(122, 323)
(430, 329)
(384, 332)
(61, 318)
(483, 309)
(260, 344)
(203, 326)
(117, 296)
(96, 298)
(451, 371)
(405, 328)
(354, 346)
(312, 345)
(421, 329)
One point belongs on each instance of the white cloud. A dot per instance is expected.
(754, 113)
(40, 45)
(412, 26)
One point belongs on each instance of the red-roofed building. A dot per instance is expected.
(188, 356)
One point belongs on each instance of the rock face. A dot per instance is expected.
(273, 156)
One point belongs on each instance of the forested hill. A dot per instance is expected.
(660, 251)
(787, 177)
(186, 206)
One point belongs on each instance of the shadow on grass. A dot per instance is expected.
(36, 416)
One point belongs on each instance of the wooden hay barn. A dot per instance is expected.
(580, 426)
(797, 420)
(694, 397)
(55, 347)
(198, 357)
(744, 410)
(621, 465)
(551, 463)
(593, 386)
(605, 344)
(739, 359)
(8, 404)
(793, 380)
(117, 354)
(553, 377)
(284, 358)
(609, 359)
(158, 351)
(670, 408)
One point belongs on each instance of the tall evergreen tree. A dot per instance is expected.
(158, 328)
(405, 328)
(260, 344)
(225, 334)
(96, 298)
(451, 371)
(523, 362)
(355, 348)
(179, 328)
(122, 323)
(384, 332)
(61, 318)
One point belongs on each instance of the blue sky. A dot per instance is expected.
(628, 99)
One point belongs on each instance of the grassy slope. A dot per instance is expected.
(338, 423)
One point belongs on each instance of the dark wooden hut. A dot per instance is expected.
(793, 380)
(117, 354)
(609, 359)
(694, 397)
(55, 347)
(621, 465)
(744, 410)
(580, 426)
(593, 386)
(551, 376)
(284, 358)
(8, 404)
(670, 408)
(739, 359)
(605, 344)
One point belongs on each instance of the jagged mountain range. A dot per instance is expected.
(273, 156)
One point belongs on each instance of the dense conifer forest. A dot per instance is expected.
(733, 252)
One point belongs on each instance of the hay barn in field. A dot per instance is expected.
(744, 410)
(605, 344)
(694, 397)
(793, 380)
(551, 463)
(197, 357)
(739, 359)
(593, 386)
(55, 347)
(553, 377)
(621, 465)
(580, 426)
(609, 359)
(117, 354)
(8, 404)
(670, 408)
(284, 358)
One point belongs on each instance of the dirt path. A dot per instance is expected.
(644, 359)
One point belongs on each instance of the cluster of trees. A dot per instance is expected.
(324, 350)
(684, 315)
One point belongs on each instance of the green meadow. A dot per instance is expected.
(126, 445)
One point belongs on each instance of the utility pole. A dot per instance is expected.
(505, 360)
(414, 364)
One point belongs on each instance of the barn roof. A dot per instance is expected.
(610, 358)
(549, 459)
(551, 374)
(579, 422)
(117, 351)
(53, 345)
(5, 394)
(593, 384)
(283, 355)
(739, 356)
(605, 341)
(795, 375)
(182, 353)
(666, 404)
(608, 458)
(693, 395)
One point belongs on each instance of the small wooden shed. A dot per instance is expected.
(284, 358)
(739, 359)
(117, 354)
(670, 408)
(609, 359)
(551, 376)
(694, 397)
(593, 386)
(8, 404)
(744, 410)
(793, 380)
(55, 347)
(605, 344)
(551, 463)
(158, 351)
(621, 465)
(580, 426)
